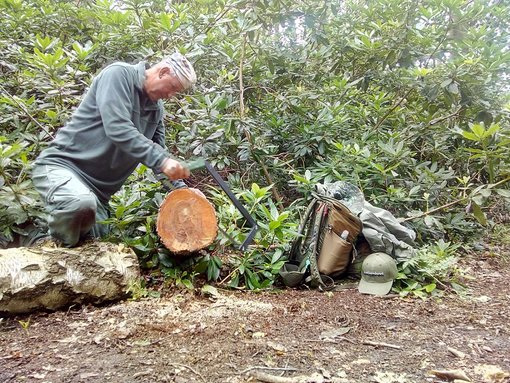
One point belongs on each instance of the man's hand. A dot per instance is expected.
(174, 170)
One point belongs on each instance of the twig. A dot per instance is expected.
(241, 84)
(69, 309)
(189, 368)
(436, 209)
(331, 340)
(441, 119)
(143, 373)
(27, 112)
(263, 377)
(227, 277)
(382, 344)
(14, 193)
(216, 19)
(393, 108)
(159, 340)
(267, 368)
(452, 203)
(389, 296)
(270, 247)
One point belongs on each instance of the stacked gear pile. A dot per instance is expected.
(335, 221)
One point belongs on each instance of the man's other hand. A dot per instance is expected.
(174, 170)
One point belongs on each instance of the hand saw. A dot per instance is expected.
(200, 163)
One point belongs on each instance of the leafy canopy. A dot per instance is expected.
(406, 99)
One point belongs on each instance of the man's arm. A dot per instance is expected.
(114, 94)
(159, 138)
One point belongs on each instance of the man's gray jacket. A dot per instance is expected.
(115, 127)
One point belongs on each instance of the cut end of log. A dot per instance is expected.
(186, 221)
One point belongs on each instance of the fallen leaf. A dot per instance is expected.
(209, 290)
(72, 339)
(87, 375)
(450, 375)
(333, 333)
(457, 353)
(482, 299)
(492, 373)
(277, 347)
(361, 361)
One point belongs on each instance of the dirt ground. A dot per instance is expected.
(283, 336)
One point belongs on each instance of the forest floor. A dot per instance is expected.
(275, 336)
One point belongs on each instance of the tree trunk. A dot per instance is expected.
(46, 278)
(186, 221)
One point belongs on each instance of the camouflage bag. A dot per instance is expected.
(324, 248)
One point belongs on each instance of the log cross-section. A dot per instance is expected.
(186, 221)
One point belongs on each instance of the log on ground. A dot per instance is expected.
(186, 221)
(47, 278)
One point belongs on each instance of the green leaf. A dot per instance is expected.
(217, 261)
(283, 216)
(276, 256)
(274, 211)
(187, 283)
(479, 214)
(503, 192)
(201, 266)
(453, 88)
(274, 224)
(166, 21)
(478, 130)
(210, 291)
(300, 179)
(469, 136)
(493, 130)
(213, 272)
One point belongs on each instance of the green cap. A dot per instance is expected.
(377, 274)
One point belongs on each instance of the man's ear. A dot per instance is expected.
(164, 71)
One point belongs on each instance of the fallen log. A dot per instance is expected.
(186, 221)
(48, 278)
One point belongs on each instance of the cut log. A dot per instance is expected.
(47, 278)
(186, 221)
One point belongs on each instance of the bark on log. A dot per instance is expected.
(186, 221)
(46, 278)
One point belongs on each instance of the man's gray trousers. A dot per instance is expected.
(72, 207)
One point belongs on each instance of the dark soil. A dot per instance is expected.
(246, 337)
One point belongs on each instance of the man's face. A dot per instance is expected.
(164, 85)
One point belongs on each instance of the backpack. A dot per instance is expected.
(324, 249)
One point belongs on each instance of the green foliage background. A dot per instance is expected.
(406, 99)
